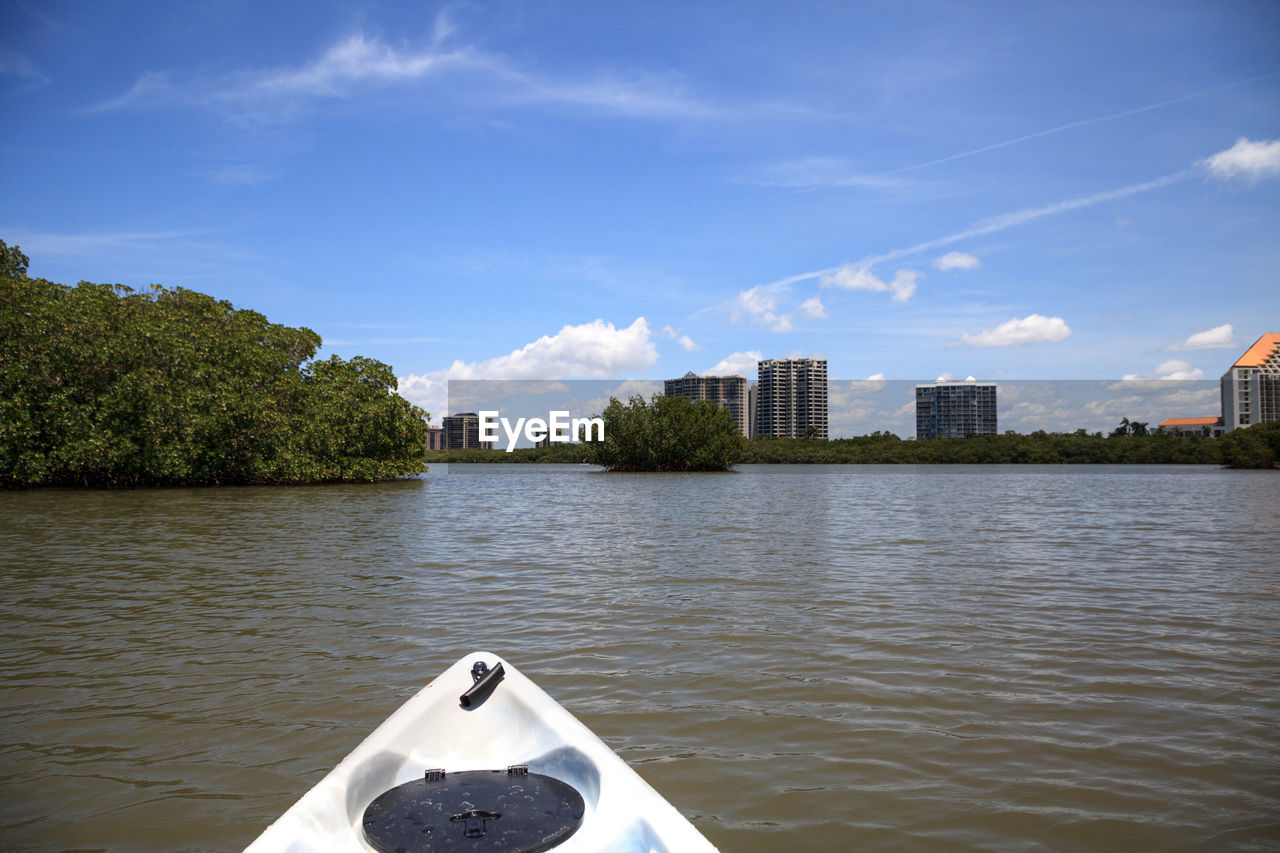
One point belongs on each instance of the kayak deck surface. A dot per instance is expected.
(511, 722)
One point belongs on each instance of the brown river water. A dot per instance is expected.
(798, 658)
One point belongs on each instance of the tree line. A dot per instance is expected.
(652, 443)
(1079, 448)
(660, 433)
(102, 385)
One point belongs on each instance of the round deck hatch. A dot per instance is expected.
(512, 810)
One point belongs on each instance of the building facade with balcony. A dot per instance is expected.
(462, 431)
(1251, 386)
(791, 398)
(727, 392)
(955, 409)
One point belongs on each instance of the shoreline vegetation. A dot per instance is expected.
(666, 434)
(104, 386)
(1253, 447)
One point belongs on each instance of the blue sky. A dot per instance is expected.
(557, 190)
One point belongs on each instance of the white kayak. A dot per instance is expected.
(481, 759)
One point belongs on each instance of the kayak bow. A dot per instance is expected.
(481, 759)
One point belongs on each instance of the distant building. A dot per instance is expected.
(1211, 427)
(955, 409)
(727, 392)
(435, 438)
(463, 431)
(1251, 387)
(791, 398)
(562, 435)
(753, 409)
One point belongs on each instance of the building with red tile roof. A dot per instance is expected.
(1251, 387)
(1210, 426)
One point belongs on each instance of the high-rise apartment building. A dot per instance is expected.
(1251, 387)
(727, 392)
(791, 398)
(955, 409)
(463, 430)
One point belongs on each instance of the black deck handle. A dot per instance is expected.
(486, 678)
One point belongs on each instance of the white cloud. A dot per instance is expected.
(353, 60)
(92, 244)
(1173, 369)
(361, 63)
(20, 77)
(623, 392)
(851, 277)
(957, 261)
(739, 363)
(1252, 160)
(810, 173)
(684, 340)
(1034, 328)
(1219, 337)
(814, 308)
(760, 305)
(595, 349)
(689, 344)
(871, 385)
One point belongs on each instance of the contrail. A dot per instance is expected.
(1020, 217)
(992, 225)
(1081, 123)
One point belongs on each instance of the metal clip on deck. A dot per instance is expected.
(485, 679)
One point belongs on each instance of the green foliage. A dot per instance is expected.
(565, 453)
(1128, 427)
(1257, 446)
(13, 264)
(1038, 448)
(667, 434)
(104, 386)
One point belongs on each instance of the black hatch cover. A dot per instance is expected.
(510, 810)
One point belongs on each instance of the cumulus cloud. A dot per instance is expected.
(814, 308)
(1173, 369)
(1219, 337)
(760, 305)
(1246, 159)
(739, 363)
(1034, 328)
(873, 384)
(685, 341)
(623, 391)
(957, 261)
(851, 277)
(595, 349)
